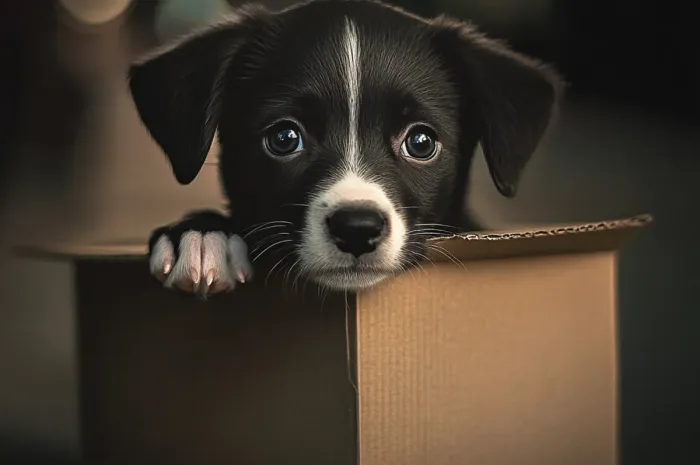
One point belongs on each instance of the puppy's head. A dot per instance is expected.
(346, 128)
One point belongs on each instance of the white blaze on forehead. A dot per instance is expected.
(353, 71)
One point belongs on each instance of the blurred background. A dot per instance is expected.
(76, 166)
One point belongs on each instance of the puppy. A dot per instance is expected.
(347, 131)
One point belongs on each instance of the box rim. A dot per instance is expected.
(137, 249)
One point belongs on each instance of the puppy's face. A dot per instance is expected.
(346, 129)
(354, 137)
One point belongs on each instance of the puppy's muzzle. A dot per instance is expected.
(357, 230)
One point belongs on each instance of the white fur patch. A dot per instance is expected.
(238, 260)
(353, 78)
(162, 257)
(207, 263)
(317, 252)
(189, 264)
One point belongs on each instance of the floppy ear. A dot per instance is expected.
(510, 98)
(178, 93)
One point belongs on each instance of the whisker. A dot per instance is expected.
(291, 268)
(306, 283)
(439, 225)
(428, 227)
(431, 233)
(298, 276)
(280, 261)
(271, 247)
(324, 294)
(416, 266)
(424, 258)
(447, 254)
(261, 243)
(406, 266)
(253, 226)
(287, 285)
(265, 227)
(418, 228)
(418, 259)
(419, 254)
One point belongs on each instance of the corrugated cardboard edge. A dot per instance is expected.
(604, 236)
(137, 249)
(626, 223)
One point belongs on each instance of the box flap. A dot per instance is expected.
(562, 239)
(581, 238)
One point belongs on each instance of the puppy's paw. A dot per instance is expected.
(199, 258)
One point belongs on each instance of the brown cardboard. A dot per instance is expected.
(501, 350)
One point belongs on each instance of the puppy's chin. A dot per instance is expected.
(350, 280)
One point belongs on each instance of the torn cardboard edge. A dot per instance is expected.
(547, 240)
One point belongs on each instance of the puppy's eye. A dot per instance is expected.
(420, 143)
(283, 139)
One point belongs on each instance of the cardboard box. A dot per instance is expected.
(503, 351)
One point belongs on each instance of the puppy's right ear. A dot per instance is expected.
(178, 93)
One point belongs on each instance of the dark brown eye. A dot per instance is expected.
(284, 139)
(420, 143)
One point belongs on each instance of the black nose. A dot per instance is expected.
(356, 230)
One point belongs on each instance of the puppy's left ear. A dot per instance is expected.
(178, 93)
(508, 99)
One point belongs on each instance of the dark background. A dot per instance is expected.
(629, 142)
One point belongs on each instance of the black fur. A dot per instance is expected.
(203, 221)
(243, 75)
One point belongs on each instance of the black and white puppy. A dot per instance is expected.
(347, 131)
